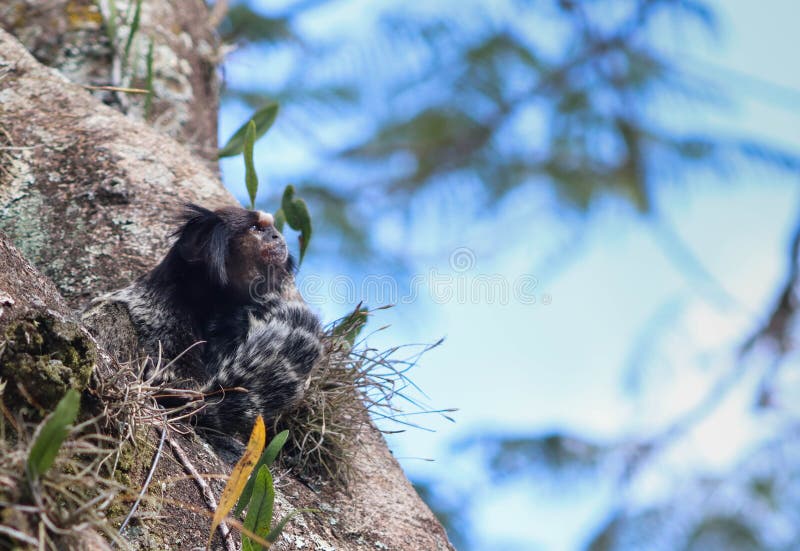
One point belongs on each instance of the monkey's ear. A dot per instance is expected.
(203, 239)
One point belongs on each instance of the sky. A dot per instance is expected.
(558, 357)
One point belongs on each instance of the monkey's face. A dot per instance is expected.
(232, 248)
(263, 242)
(257, 252)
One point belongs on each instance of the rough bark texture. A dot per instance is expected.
(88, 42)
(74, 168)
(24, 292)
(87, 195)
(43, 350)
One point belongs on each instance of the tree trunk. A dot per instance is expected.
(43, 350)
(74, 37)
(87, 197)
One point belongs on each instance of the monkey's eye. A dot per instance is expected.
(256, 227)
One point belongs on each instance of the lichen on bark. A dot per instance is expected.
(40, 359)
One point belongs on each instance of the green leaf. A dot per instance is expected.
(275, 446)
(276, 532)
(134, 27)
(263, 118)
(731, 533)
(259, 511)
(239, 475)
(111, 21)
(250, 176)
(267, 459)
(280, 220)
(298, 218)
(244, 24)
(349, 327)
(52, 433)
(148, 100)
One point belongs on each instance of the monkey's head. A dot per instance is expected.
(230, 249)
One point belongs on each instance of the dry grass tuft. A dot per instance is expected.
(68, 504)
(324, 430)
(68, 507)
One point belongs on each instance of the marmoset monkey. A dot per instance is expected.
(221, 311)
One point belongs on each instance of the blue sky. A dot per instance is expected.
(528, 368)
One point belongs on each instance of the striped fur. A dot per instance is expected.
(198, 312)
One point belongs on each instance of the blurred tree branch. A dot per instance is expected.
(781, 318)
(457, 95)
(497, 99)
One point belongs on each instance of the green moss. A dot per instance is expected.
(126, 457)
(134, 460)
(43, 358)
(117, 511)
(125, 463)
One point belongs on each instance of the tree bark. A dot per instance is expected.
(87, 197)
(43, 350)
(74, 36)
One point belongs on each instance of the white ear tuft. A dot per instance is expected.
(265, 218)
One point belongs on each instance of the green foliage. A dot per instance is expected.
(280, 220)
(705, 531)
(240, 474)
(259, 497)
(264, 118)
(266, 460)
(350, 327)
(624, 530)
(122, 49)
(148, 101)
(250, 176)
(134, 28)
(278, 527)
(476, 97)
(508, 456)
(62, 480)
(293, 211)
(259, 510)
(723, 534)
(244, 24)
(110, 22)
(296, 213)
(52, 432)
(468, 97)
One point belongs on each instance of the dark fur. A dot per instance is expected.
(229, 287)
